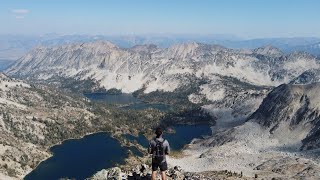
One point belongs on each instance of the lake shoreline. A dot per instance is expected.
(122, 143)
(60, 143)
(116, 134)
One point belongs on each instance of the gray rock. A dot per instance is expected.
(109, 174)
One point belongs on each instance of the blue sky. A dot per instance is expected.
(244, 18)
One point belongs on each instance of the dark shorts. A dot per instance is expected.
(163, 166)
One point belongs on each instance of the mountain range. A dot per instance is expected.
(223, 71)
(265, 100)
(154, 68)
(13, 47)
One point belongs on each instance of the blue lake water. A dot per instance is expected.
(183, 135)
(136, 151)
(141, 139)
(80, 158)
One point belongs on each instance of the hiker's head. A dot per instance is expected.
(158, 131)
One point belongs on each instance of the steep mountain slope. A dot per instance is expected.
(35, 117)
(292, 108)
(307, 77)
(31, 120)
(279, 140)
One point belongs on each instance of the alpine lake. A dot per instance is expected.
(81, 158)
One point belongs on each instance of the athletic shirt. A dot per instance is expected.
(153, 144)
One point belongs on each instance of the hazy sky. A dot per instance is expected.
(245, 18)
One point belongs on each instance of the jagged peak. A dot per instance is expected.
(277, 106)
(98, 46)
(99, 43)
(216, 47)
(305, 89)
(144, 48)
(307, 77)
(268, 50)
(188, 46)
(192, 49)
(194, 45)
(183, 50)
(301, 54)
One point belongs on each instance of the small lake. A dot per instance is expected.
(141, 139)
(128, 100)
(80, 158)
(183, 135)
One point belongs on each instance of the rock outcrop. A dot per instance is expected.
(143, 172)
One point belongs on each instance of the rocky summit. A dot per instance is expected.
(143, 172)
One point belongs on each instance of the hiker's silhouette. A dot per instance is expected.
(159, 148)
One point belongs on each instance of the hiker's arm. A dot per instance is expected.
(167, 151)
(150, 148)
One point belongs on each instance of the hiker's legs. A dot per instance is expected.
(163, 167)
(154, 175)
(163, 175)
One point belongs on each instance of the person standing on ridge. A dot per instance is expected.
(159, 148)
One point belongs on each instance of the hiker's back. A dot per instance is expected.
(159, 148)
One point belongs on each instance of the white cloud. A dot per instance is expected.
(19, 17)
(20, 11)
